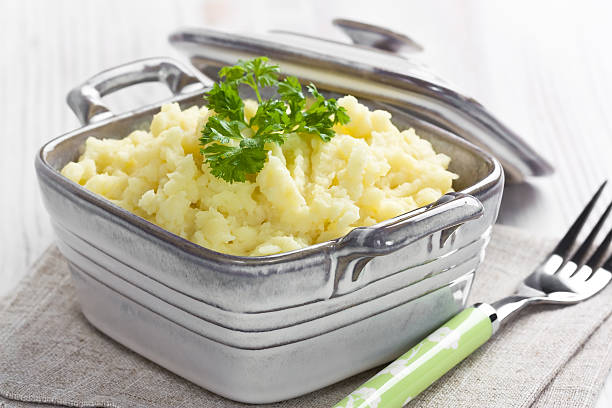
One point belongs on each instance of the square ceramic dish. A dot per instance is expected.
(263, 329)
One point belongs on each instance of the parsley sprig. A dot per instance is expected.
(234, 147)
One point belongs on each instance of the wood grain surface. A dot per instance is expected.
(544, 68)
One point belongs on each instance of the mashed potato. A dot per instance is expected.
(309, 191)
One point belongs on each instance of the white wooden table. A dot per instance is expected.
(545, 68)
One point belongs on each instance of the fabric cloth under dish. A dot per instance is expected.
(548, 357)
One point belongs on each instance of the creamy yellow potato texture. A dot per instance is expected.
(309, 191)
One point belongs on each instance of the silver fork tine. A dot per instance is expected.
(608, 264)
(581, 254)
(598, 258)
(564, 246)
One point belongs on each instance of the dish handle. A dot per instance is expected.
(373, 36)
(359, 246)
(86, 99)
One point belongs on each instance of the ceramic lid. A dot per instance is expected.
(371, 69)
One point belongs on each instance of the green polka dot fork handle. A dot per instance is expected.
(423, 364)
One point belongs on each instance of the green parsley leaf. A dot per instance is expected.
(233, 163)
(225, 100)
(291, 93)
(232, 151)
(222, 131)
(322, 115)
(256, 73)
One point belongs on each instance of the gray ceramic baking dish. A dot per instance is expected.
(268, 374)
(263, 329)
(256, 284)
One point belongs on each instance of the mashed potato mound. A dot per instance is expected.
(308, 192)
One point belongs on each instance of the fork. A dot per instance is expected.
(566, 277)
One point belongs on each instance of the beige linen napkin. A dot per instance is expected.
(548, 357)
